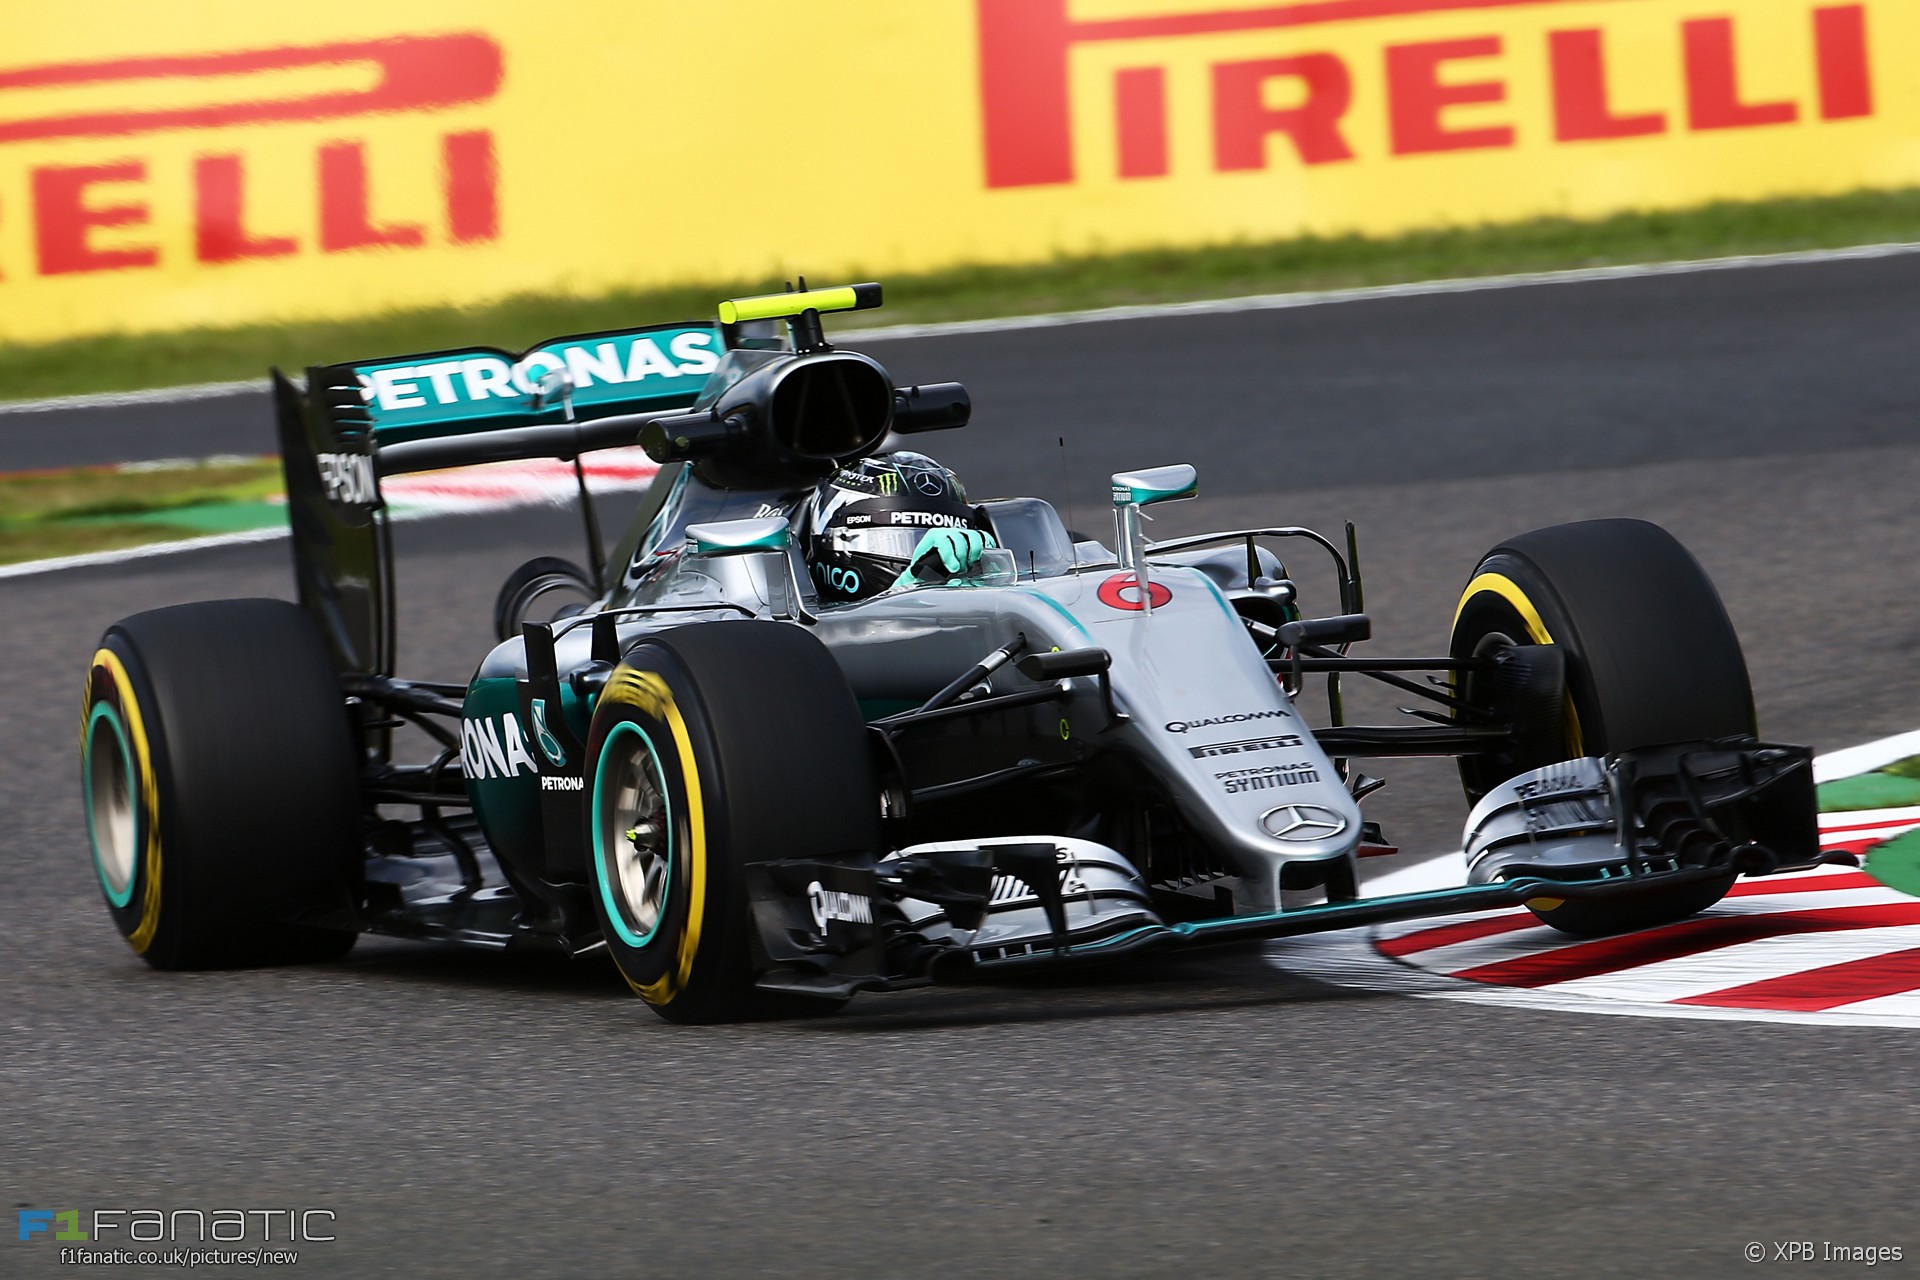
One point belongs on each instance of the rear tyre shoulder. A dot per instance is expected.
(220, 782)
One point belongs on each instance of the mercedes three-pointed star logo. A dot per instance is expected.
(1302, 822)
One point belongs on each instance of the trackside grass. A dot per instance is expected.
(68, 512)
(130, 361)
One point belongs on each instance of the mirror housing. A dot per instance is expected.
(1133, 490)
(738, 537)
(1155, 484)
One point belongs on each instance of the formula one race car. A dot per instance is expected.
(762, 784)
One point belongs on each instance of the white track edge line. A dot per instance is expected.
(1366, 293)
(93, 558)
(127, 399)
(1140, 311)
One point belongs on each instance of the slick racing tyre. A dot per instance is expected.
(532, 580)
(714, 746)
(1651, 658)
(221, 786)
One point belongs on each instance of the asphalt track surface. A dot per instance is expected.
(472, 1114)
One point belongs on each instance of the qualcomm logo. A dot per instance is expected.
(1302, 822)
(829, 904)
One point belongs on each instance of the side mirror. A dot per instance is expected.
(1133, 490)
(738, 537)
(1155, 484)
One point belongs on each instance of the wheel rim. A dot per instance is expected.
(633, 834)
(112, 820)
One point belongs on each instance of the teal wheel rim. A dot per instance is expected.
(632, 834)
(113, 819)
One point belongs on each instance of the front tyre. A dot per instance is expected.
(1651, 658)
(221, 785)
(714, 746)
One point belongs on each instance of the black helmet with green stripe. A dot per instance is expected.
(865, 520)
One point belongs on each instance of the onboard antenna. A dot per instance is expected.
(1066, 485)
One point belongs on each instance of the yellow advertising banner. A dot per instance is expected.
(206, 162)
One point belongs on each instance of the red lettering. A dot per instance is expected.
(1840, 50)
(1242, 121)
(1713, 85)
(472, 186)
(63, 224)
(220, 223)
(1025, 115)
(1140, 115)
(1416, 97)
(1580, 109)
(345, 220)
(408, 73)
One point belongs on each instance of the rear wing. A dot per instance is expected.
(357, 422)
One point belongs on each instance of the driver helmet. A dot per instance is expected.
(867, 518)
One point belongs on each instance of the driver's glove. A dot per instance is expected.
(943, 554)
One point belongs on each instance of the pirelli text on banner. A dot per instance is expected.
(227, 163)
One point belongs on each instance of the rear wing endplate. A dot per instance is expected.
(354, 423)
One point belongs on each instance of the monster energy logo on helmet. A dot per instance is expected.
(866, 519)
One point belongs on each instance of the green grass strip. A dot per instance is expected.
(1868, 791)
(129, 361)
(1896, 864)
(59, 513)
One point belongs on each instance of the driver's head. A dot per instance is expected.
(866, 520)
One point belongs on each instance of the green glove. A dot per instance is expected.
(943, 554)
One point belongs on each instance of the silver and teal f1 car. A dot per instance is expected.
(754, 799)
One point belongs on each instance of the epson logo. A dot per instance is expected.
(348, 478)
(830, 904)
(562, 782)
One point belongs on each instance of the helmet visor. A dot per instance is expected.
(886, 544)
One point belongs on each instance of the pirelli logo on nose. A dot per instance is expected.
(1242, 746)
(1305, 84)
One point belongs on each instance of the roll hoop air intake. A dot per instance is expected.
(785, 418)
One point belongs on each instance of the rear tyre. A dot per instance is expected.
(532, 580)
(714, 746)
(1651, 658)
(221, 785)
